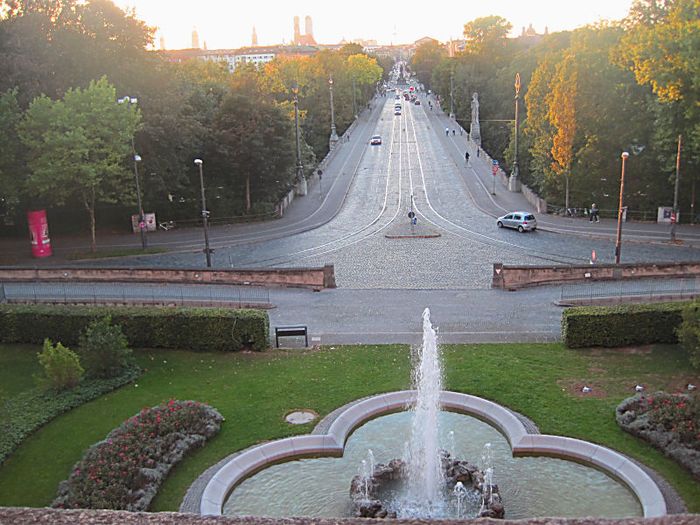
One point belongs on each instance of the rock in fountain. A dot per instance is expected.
(428, 474)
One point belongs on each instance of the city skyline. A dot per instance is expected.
(221, 25)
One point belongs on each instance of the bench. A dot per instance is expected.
(289, 331)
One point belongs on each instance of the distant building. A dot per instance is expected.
(195, 38)
(162, 42)
(254, 39)
(305, 39)
(234, 57)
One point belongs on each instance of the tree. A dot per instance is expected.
(562, 115)
(61, 367)
(10, 160)
(486, 32)
(253, 144)
(426, 58)
(78, 148)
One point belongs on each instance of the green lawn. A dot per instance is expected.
(254, 391)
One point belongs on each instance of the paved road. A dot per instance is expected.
(387, 271)
(369, 190)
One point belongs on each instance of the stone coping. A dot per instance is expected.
(522, 443)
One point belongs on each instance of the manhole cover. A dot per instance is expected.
(300, 417)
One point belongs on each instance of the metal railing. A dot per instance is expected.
(138, 294)
(638, 289)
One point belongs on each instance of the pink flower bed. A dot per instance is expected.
(126, 469)
(670, 422)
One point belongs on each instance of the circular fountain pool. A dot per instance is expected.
(530, 486)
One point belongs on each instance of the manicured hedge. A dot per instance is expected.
(613, 326)
(200, 329)
(29, 410)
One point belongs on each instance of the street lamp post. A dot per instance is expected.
(137, 158)
(334, 134)
(354, 101)
(618, 241)
(142, 223)
(452, 100)
(205, 213)
(301, 181)
(513, 181)
(675, 191)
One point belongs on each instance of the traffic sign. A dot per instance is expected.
(411, 215)
(494, 162)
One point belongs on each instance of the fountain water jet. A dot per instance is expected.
(426, 481)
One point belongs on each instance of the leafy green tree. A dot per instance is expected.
(79, 146)
(61, 367)
(11, 159)
(426, 58)
(488, 32)
(253, 149)
(104, 349)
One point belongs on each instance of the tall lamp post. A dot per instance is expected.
(354, 101)
(301, 181)
(137, 158)
(618, 241)
(334, 134)
(513, 181)
(205, 213)
(675, 190)
(452, 100)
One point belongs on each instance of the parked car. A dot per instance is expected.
(397, 112)
(519, 220)
(417, 102)
(376, 140)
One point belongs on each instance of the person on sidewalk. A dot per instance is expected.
(466, 157)
(594, 213)
(447, 132)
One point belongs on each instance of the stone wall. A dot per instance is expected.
(511, 277)
(25, 516)
(315, 278)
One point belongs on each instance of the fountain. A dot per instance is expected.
(427, 481)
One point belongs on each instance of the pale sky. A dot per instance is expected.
(229, 23)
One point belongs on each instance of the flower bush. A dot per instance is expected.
(671, 422)
(125, 470)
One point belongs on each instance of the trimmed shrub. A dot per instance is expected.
(124, 471)
(27, 412)
(61, 366)
(689, 333)
(104, 349)
(613, 326)
(199, 329)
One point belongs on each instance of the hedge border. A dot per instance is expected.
(622, 325)
(197, 329)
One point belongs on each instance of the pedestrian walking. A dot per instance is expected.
(453, 132)
(447, 132)
(594, 213)
(478, 150)
(466, 157)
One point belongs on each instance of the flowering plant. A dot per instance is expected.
(678, 413)
(126, 469)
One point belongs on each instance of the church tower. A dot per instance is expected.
(254, 40)
(297, 31)
(195, 38)
(308, 26)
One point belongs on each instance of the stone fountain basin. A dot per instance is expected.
(522, 443)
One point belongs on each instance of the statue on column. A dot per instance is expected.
(474, 128)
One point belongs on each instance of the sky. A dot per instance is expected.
(225, 24)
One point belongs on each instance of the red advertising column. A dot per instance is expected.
(39, 233)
